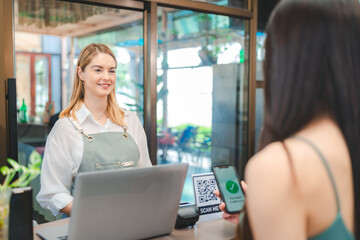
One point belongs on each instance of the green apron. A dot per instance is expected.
(108, 150)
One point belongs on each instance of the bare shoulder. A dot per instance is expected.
(269, 172)
(279, 164)
(270, 190)
(270, 161)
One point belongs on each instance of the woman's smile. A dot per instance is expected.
(104, 85)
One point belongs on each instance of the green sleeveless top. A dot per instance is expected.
(337, 230)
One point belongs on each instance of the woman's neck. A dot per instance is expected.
(97, 107)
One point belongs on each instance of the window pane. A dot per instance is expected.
(259, 111)
(41, 83)
(260, 55)
(202, 103)
(23, 82)
(259, 107)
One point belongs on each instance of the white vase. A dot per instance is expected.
(5, 195)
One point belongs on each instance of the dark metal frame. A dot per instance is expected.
(150, 77)
(253, 4)
(12, 119)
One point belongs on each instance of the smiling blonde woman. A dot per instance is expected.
(93, 132)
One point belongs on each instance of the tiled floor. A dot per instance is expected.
(201, 164)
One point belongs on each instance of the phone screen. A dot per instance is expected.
(229, 187)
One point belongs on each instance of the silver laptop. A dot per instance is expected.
(123, 204)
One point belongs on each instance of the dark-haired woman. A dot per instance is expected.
(304, 183)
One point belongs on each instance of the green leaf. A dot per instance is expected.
(27, 173)
(14, 164)
(5, 170)
(35, 159)
(24, 169)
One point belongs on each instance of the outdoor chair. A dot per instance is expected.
(166, 140)
(186, 141)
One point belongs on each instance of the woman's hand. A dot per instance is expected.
(243, 186)
(67, 209)
(234, 218)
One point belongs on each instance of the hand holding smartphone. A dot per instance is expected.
(229, 187)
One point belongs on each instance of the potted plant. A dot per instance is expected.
(214, 39)
(25, 175)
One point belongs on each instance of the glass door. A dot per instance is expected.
(203, 81)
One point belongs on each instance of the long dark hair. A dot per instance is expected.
(312, 69)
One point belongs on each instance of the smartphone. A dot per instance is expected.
(229, 186)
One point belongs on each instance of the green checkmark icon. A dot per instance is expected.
(232, 187)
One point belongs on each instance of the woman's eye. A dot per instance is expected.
(97, 70)
(112, 71)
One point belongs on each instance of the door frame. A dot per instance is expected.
(6, 72)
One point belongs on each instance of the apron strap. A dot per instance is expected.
(91, 138)
(80, 130)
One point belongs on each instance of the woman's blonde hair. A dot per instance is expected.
(115, 113)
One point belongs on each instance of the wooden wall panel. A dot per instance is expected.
(6, 70)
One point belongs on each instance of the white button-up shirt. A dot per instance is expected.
(64, 152)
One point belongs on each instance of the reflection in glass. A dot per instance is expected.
(23, 81)
(42, 83)
(202, 90)
(33, 82)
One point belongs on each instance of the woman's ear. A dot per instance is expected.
(80, 73)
